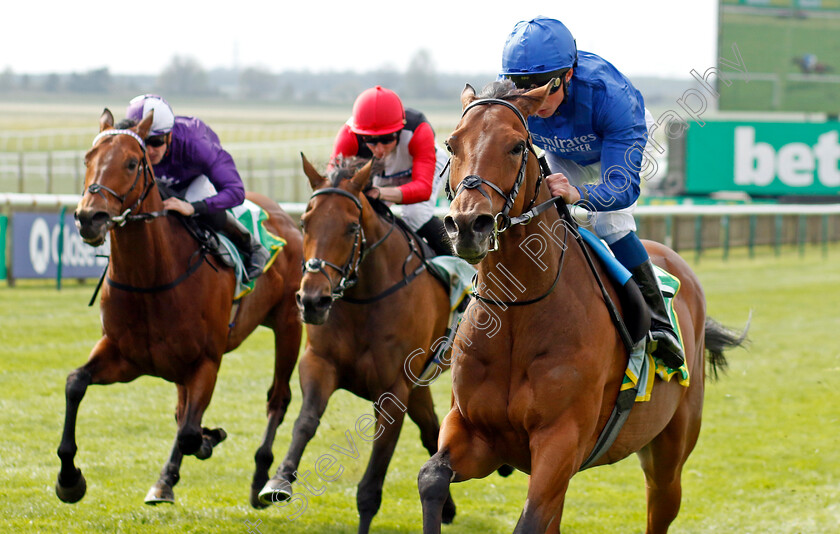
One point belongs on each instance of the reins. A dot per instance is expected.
(349, 270)
(475, 182)
(624, 402)
(127, 216)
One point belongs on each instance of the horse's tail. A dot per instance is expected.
(718, 339)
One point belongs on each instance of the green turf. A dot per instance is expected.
(767, 460)
(768, 44)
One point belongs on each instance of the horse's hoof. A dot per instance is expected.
(255, 500)
(73, 492)
(505, 470)
(275, 491)
(209, 439)
(160, 494)
(448, 514)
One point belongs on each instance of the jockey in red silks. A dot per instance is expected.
(411, 162)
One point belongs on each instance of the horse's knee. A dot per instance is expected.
(368, 500)
(189, 440)
(434, 478)
(77, 383)
(307, 424)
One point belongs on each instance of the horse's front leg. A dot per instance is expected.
(287, 333)
(422, 411)
(105, 366)
(552, 466)
(193, 400)
(318, 380)
(461, 455)
(390, 410)
(162, 491)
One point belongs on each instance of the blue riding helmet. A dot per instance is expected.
(536, 46)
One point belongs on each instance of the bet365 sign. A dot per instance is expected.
(763, 158)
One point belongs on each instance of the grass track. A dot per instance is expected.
(768, 459)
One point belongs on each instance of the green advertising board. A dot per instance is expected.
(763, 158)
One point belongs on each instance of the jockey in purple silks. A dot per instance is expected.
(197, 175)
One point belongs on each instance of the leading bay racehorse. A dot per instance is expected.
(373, 313)
(536, 389)
(167, 309)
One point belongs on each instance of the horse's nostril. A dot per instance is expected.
(101, 217)
(483, 224)
(450, 225)
(323, 303)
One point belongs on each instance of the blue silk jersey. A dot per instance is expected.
(602, 120)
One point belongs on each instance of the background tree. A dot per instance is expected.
(257, 83)
(183, 76)
(421, 77)
(92, 81)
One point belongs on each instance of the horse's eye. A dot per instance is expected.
(352, 228)
(448, 147)
(518, 149)
(132, 164)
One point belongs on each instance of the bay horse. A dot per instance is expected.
(165, 313)
(536, 390)
(372, 312)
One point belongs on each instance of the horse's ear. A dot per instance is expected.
(539, 95)
(315, 179)
(467, 96)
(362, 176)
(106, 120)
(145, 124)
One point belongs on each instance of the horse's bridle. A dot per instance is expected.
(128, 216)
(348, 270)
(502, 221)
(143, 168)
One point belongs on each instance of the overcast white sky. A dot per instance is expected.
(641, 37)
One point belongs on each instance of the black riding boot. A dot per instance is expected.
(254, 255)
(665, 342)
(435, 235)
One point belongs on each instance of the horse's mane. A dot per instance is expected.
(125, 124)
(343, 168)
(503, 90)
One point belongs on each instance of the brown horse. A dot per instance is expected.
(534, 384)
(373, 312)
(167, 314)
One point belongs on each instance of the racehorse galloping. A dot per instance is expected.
(167, 314)
(359, 337)
(536, 391)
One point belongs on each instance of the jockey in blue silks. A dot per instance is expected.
(593, 127)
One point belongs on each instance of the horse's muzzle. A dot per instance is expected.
(314, 308)
(93, 225)
(470, 234)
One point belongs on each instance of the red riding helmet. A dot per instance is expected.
(377, 111)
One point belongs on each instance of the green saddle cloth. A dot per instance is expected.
(252, 216)
(458, 273)
(642, 366)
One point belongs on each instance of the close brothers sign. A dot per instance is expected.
(35, 248)
(763, 158)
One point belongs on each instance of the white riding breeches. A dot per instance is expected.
(417, 214)
(608, 225)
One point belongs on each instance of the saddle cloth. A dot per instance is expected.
(253, 217)
(642, 367)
